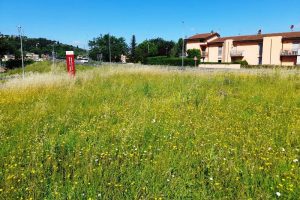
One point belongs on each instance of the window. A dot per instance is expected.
(296, 46)
(220, 51)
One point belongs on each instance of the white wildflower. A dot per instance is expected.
(278, 194)
(295, 160)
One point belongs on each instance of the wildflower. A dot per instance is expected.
(211, 179)
(283, 149)
(278, 194)
(295, 160)
(153, 121)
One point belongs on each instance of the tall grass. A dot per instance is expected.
(117, 133)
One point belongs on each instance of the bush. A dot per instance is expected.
(12, 64)
(243, 63)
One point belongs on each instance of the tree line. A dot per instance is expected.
(104, 45)
(11, 45)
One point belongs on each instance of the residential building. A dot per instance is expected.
(32, 56)
(7, 58)
(200, 41)
(265, 49)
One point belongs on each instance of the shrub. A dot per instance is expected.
(243, 63)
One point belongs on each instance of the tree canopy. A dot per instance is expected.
(100, 45)
(11, 45)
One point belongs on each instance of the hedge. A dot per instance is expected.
(12, 64)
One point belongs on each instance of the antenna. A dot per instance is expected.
(292, 28)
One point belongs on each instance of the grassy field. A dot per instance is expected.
(150, 133)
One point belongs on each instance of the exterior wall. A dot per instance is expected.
(271, 50)
(220, 66)
(228, 45)
(250, 52)
(193, 45)
(213, 53)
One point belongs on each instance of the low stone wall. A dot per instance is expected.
(220, 66)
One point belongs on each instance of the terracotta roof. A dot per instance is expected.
(243, 38)
(204, 36)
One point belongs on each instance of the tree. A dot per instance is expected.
(177, 49)
(100, 45)
(146, 49)
(133, 49)
(154, 47)
(194, 53)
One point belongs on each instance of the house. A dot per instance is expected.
(32, 56)
(200, 41)
(7, 58)
(265, 49)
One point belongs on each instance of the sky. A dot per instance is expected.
(78, 21)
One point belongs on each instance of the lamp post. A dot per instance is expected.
(22, 58)
(53, 56)
(182, 53)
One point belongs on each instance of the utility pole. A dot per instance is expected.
(53, 56)
(20, 35)
(109, 49)
(182, 53)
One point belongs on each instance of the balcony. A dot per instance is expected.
(204, 54)
(236, 53)
(294, 52)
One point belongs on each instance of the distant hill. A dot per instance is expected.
(10, 44)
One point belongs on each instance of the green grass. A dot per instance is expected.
(116, 133)
(44, 67)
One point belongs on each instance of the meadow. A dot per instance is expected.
(150, 133)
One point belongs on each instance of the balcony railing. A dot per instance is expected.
(236, 53)
(289, 52)
(204, 54)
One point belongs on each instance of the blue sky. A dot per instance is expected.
(77, 21)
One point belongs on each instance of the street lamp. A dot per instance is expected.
(182, 53)
(22, 58)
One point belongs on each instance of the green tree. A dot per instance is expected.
(154, 47)
(133, 49)
(100, 45)
(194, 53)
(177, 49)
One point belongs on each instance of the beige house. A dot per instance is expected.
(266, 49)
(200, 41)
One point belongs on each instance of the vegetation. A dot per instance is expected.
(170, 61)
(149, 133)
(192, 53)
(100, 46)
(11, 45)
(154, 48)
(44, 67)
(133, 49)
